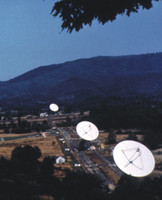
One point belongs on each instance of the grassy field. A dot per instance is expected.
(48, 145)
(6, 135)
(119, 137)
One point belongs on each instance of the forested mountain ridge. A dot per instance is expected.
(85, 80)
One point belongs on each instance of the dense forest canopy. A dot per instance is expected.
(145, 118)
(76, 13)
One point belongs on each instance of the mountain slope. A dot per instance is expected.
(76, 81)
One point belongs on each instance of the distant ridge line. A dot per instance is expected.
(86, 81)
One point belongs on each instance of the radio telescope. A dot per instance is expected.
(133, 158)
(54, 107)
(87, 130)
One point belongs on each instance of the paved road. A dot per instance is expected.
(85, 161)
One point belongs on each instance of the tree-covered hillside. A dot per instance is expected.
(85, 82)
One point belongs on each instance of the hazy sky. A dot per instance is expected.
(30, 37)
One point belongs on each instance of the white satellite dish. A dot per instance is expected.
(133, 158)
(54, 107)
(87, 130)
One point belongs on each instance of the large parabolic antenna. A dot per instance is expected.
(87, 130)
(133, 158)
(54, 107)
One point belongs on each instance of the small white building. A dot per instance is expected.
(44, 134)
(92, 148)
(60, 160)
(44, 114)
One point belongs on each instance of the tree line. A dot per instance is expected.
(24, 126)
(144, 118)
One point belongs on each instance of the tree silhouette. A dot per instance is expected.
(132, 188)
(79, 186)
(132, 137)
(76, 13)
(84, 145)
(26, 153)
(111, 137)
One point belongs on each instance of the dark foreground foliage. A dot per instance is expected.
(131, 188)
(24, 177)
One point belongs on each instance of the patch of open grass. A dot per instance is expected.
(48, 146)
